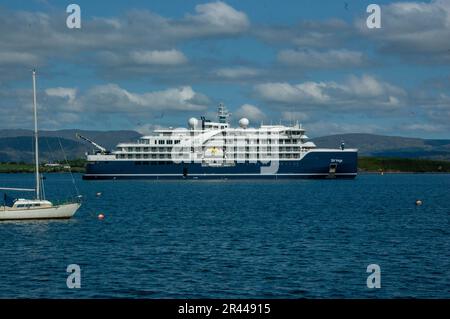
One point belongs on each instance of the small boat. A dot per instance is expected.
(39, 207)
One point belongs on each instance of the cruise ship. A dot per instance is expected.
(215, 150)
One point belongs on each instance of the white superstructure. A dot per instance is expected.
(208, 141)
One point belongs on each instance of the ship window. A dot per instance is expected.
(161, 142)
(177, 142)
(130, 149)
(169, 142)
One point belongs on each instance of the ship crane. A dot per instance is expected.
(101, 149)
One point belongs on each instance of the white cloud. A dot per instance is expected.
(294, 116)
(423, 127)
(112, 98)
(220, 16)
(67, 93)
(287, 93)
(361, 92)
(29, 38)
(100, 104)
(307, 33)
(319, 59)
(18, 58)
(251, 112)
(156, 57)
(237, 72)
(416, 30)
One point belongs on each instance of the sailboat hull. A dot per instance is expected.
(54, 212)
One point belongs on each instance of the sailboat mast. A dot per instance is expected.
(36, 147)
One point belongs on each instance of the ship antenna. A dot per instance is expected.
(222, 113)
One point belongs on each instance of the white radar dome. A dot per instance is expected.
(243, 122)
(192, 122)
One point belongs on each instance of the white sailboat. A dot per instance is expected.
(38, 208)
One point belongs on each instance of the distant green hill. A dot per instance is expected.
(108, 139)
(21, 149)
(389, 146)
(17, 145)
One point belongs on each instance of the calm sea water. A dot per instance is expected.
(235, 239)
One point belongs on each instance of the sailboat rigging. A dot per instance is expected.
(38, 208)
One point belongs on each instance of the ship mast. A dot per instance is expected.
(222, 113)
(36, 147)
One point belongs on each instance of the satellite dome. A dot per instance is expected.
(243, 122)
(192, 122)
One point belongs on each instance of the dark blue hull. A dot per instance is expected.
(316, 164)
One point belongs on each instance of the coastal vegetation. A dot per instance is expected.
(389, 164)
(76, 166)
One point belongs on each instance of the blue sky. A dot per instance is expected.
(145, 64)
